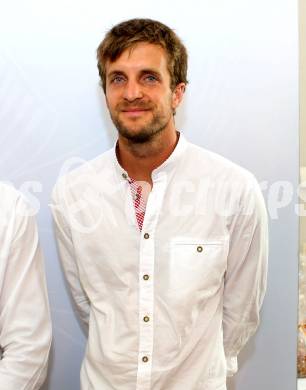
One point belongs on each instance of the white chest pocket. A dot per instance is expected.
(197, 265)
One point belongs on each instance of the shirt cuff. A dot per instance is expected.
(231, 366)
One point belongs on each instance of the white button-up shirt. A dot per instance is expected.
(25, 327)
(170, 307)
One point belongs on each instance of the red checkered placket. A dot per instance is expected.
(139, 202)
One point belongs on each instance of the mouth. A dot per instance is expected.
(134, 111)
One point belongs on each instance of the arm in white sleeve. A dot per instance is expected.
(25, 326)
(68, 260)
(246, 275)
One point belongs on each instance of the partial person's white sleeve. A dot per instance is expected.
(25, 326)
(68, 260)
(246, 275)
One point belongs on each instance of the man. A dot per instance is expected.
(25, 328)
(163, 243)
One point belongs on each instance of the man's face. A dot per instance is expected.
(138, 93)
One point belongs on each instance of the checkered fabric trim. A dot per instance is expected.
(139, 202)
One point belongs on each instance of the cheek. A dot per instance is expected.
(166, 100)
(110, 101)
(107, 99)
(107, 103)
(112, 95)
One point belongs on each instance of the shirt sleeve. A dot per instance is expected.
(246, 275)
(68, 259)
(25, 326)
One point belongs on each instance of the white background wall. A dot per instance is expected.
(242, 102)
(302, 57)
(302, 94)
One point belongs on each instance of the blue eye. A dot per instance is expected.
(118, 79)
(150, 78)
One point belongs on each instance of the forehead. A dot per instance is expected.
(140, 56)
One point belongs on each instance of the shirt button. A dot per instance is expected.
(145, 359)
(146, 236)
(145, 277)
(124, 175)
(199, 248)
(146, 319)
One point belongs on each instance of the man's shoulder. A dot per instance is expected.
(214, 165)
(75, 171)
(76, 167)
(228, 180)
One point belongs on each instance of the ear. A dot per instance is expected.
(177, 95)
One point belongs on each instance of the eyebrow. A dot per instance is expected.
(115, 73)
(150, 70)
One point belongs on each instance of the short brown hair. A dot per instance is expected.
(130, 32)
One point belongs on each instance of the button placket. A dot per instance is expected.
(146, 286)
(145, 311)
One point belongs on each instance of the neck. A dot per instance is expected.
(139, 160)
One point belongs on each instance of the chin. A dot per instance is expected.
(137, 137)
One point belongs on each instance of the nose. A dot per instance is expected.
(132, 91)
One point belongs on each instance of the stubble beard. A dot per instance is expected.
(145, 134)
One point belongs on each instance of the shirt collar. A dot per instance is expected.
(164, 168)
